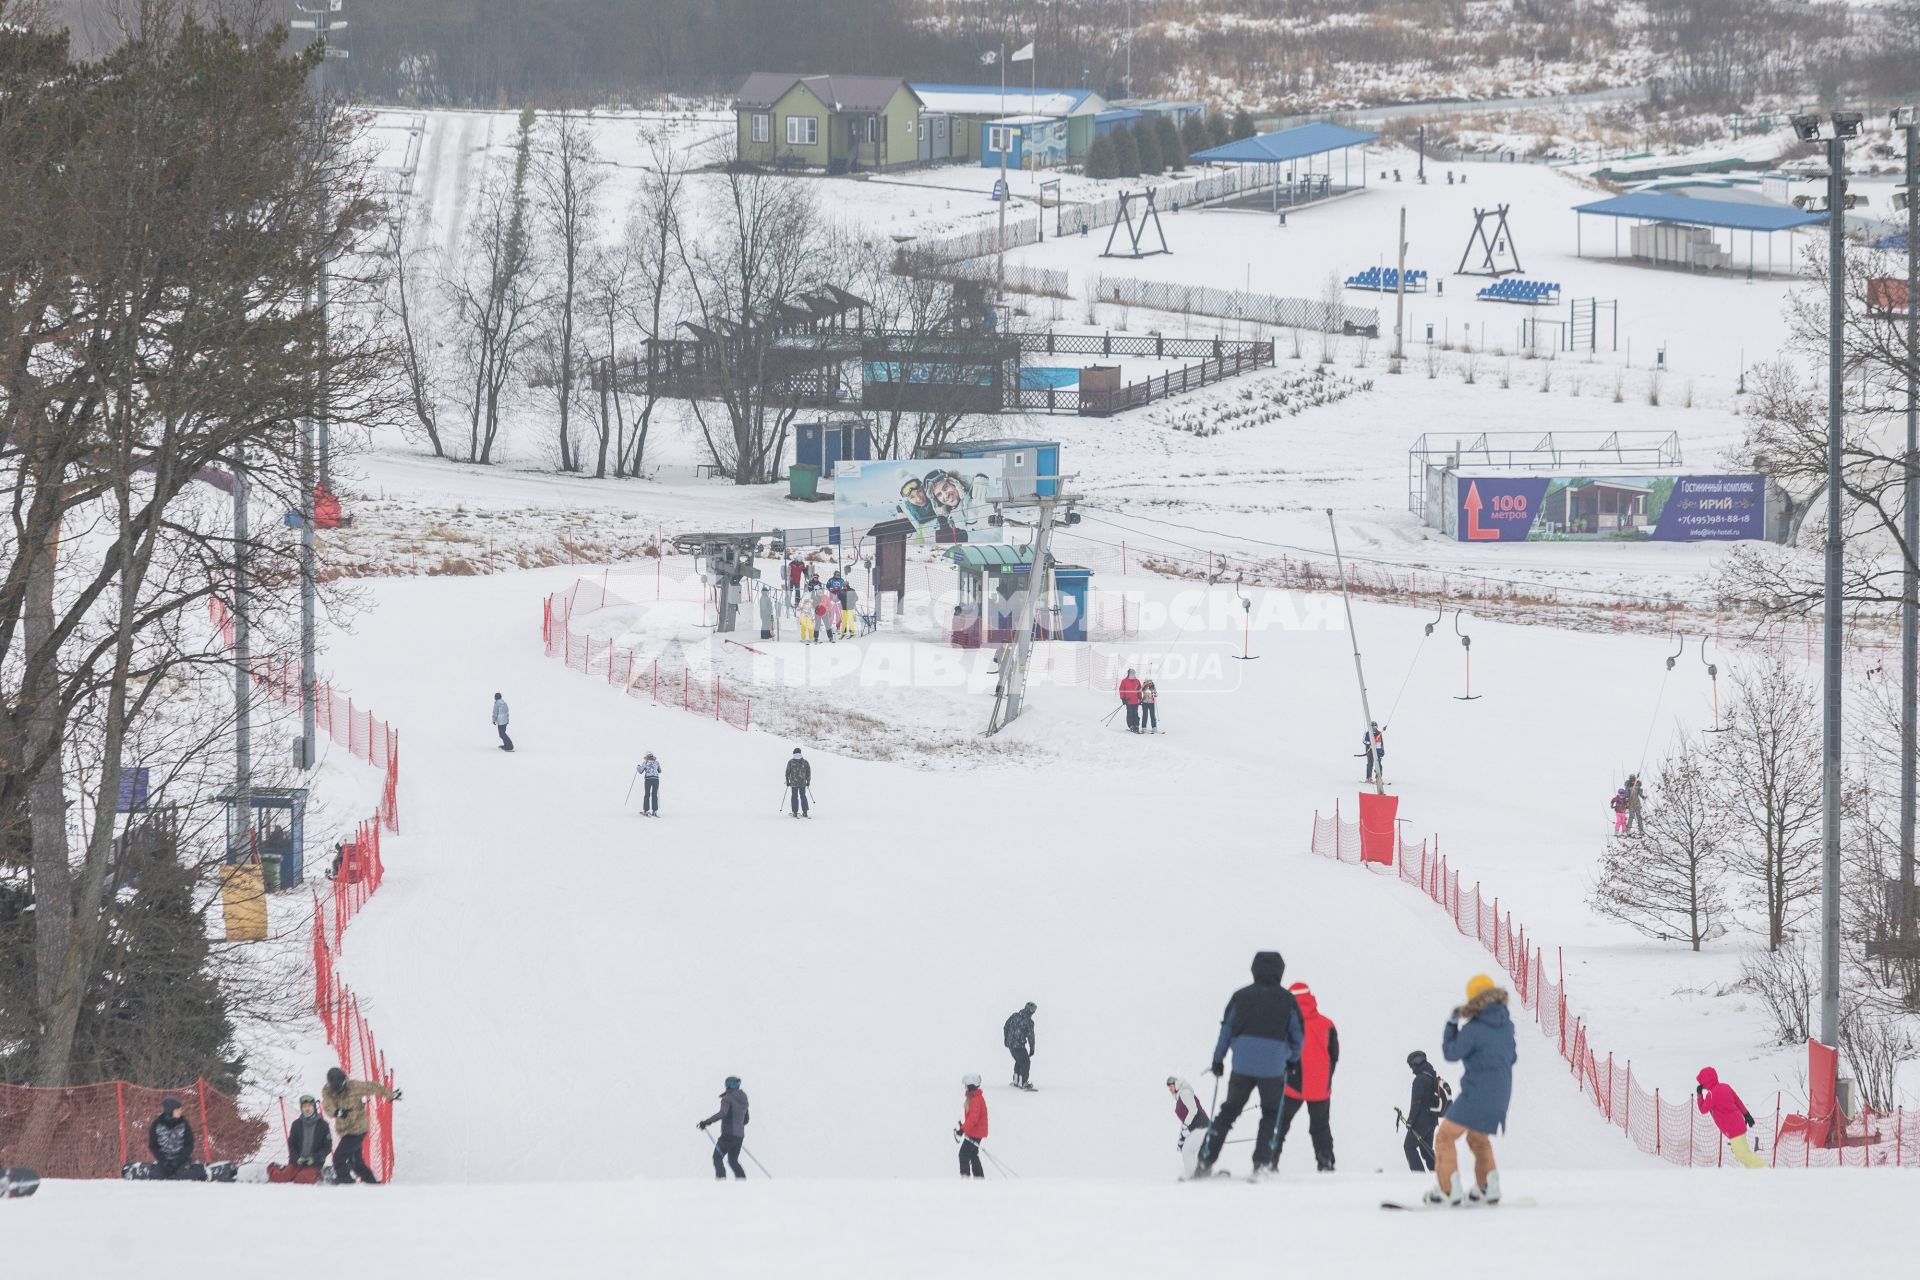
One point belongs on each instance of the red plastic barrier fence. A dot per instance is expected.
(1670, 1127)
(354, 728)
(672, 685)
(91, 1130)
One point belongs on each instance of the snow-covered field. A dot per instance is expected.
(561, 986)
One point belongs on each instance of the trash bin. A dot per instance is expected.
(803, 481)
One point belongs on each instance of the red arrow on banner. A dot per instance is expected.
(1472, 504)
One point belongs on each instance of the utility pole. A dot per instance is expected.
(1366, 709)
(314, 433)
(1129, 48)
(1832, 637)
(1400, 299)
(1013, 683)
(242, 665)
(1908, 118)
(1000, 243)
(1422, 173)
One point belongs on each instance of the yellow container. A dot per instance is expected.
(243, 902)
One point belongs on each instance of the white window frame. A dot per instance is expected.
(873, 128)
(760, 128)
(999, 138)
(803, 137)
(923, 130)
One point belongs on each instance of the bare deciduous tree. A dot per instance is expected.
(1670, 883)
(567, 178)
(409, 270)
(1770, 759)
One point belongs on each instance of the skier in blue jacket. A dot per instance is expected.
(1263, 1030)
(1479, 1036)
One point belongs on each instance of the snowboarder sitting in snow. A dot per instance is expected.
(1263, 1029)
(309, 1141)
(1193, 1120)
(972, 1129)
(1130, 699)
(1479, 1036)
(170, 1140)
(1730, 1115)
(799, 778)
(1017, 1035)
(732, 1119)
(1310, 1083)
(346, 1102)
(1425, 1106)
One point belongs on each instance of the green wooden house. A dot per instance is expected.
(836, 123)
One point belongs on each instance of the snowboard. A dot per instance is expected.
(18, 1183)
(1421, 1206)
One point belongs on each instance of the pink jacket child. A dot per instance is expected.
(1730, 1115)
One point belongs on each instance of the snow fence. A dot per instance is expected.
(670, 684)
(1673, 1130)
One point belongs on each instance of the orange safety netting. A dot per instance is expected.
(1671, 1129)
(91, 1130)
(674, 685)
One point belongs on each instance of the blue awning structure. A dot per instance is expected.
(1287, 144)
(1733, 215)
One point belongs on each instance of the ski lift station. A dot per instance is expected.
(993, 579)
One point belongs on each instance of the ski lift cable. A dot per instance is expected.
(1424, 635)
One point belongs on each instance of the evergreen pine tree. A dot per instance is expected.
(1194, 135)
(1100, 157)
(1147, 146)
(1242, 125)
(1167, 139)
(1126, 157)
(1218, 130)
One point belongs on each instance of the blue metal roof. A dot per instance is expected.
(1287, 144)
(1691, 211)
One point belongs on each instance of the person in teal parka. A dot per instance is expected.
(1479, 1036)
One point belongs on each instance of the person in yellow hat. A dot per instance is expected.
(1479, 1036)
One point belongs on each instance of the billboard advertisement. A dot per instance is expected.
(947, 499)
(1582, 508)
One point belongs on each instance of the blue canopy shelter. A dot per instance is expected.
(1682, 231)
(1288, 147)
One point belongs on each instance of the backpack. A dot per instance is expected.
(1442, 1094)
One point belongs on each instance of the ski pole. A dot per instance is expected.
(630, 782)
(1111, 714)
(756, 1162)
(996, 1161)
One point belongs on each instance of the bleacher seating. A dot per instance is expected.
(1534, 293)
(1387, 280)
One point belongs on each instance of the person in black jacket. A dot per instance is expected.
(1424, 1109)
(1263, 1029)
(309, 1141)
(1017, 1035)
(170, 1139)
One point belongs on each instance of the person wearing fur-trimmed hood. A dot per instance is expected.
(1479, 1036)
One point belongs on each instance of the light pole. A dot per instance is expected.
(314, 432)
(1908, 119)
(1845, 125)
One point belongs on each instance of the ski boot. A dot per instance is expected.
(1324, 1166)
(1488, 1194)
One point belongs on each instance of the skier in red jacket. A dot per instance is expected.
(1730, 1115)
(972, 1129)
(1311, 1080)
(1130, 699)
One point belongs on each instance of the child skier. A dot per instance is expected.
(1619, 806)
(1149, 698)
(649, 771)
(972, 1129)
(1425, 1106)
(1730, 1115)
(1310, 1084)
(1479, 1036)
(1193, 1120)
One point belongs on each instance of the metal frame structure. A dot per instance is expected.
(1530, 451)
(1500, 242)
(1136, 233)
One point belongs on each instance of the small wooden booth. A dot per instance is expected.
(994, 579)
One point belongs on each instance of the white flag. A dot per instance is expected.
(1023, 54)
(988, 58)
